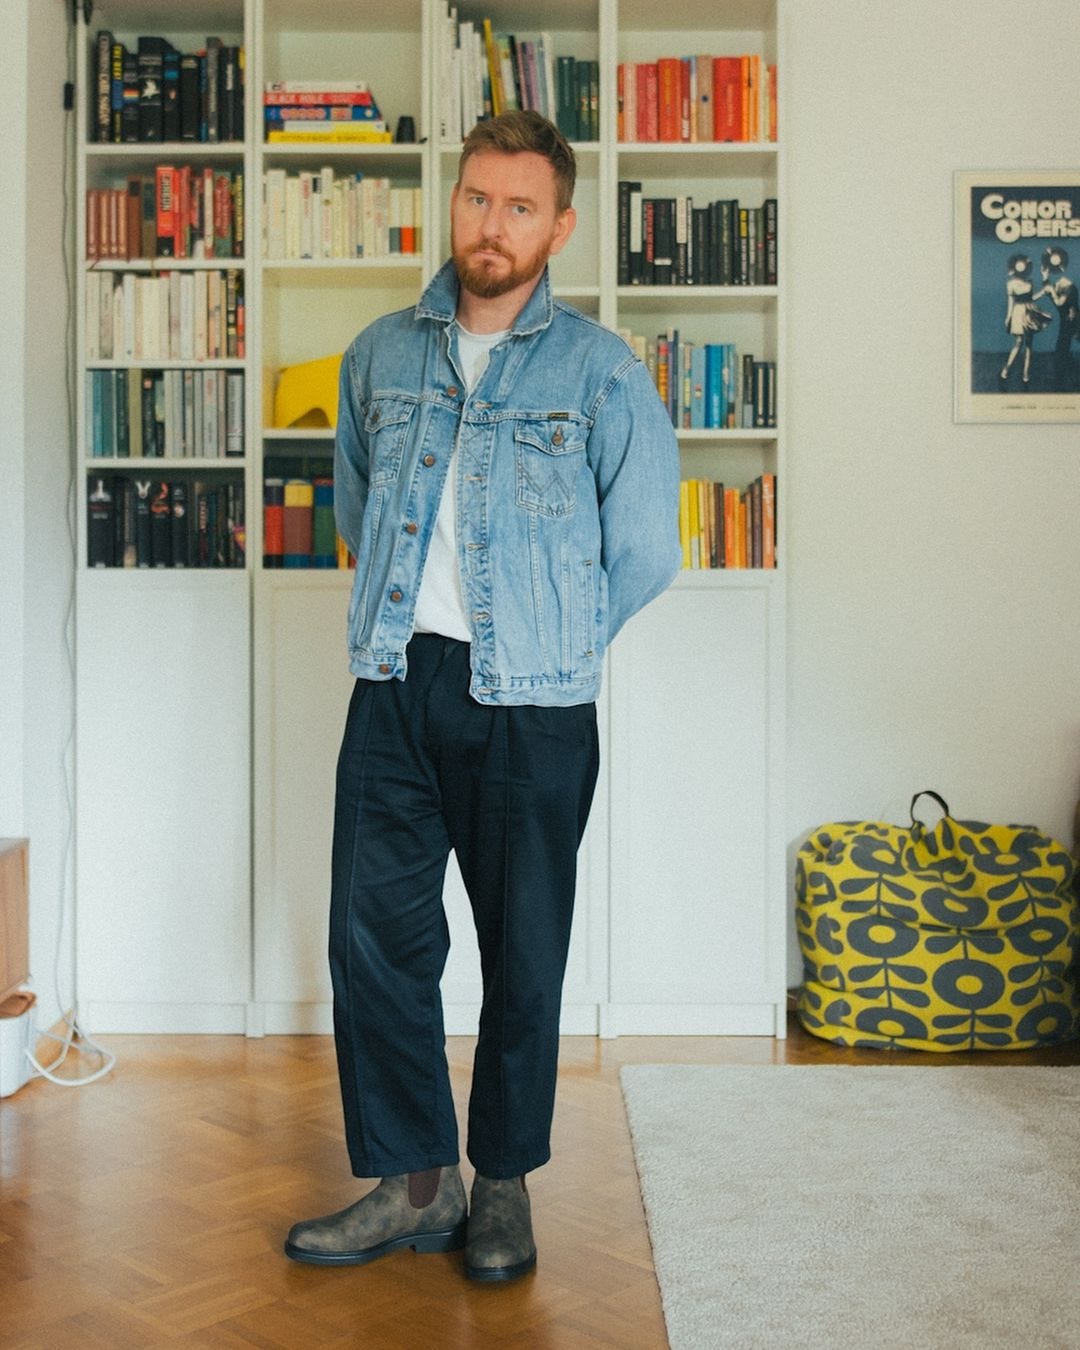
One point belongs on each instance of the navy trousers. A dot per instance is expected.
(425, 769)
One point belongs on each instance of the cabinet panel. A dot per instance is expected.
(693, 815)
(164, 768)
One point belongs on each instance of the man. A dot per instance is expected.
(508, 481)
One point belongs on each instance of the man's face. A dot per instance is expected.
(504, 224)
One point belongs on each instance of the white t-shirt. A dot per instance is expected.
(440, 606)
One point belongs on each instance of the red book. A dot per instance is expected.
(274, 522)
(645, 89)
(686, 112)
(669, 100)
(727, 98)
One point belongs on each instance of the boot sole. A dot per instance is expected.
(446, 1240)
(500, 1274)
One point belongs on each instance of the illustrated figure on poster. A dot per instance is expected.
(1063, 292)
(1023, 318)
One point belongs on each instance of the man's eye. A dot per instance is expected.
(478, 201)
(520, 210)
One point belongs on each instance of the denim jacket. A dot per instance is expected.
(567, 490)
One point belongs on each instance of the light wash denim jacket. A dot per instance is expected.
(567, 490)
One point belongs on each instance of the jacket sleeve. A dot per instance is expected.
(350, 457)
(635, 461)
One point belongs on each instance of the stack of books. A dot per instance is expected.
(298, 523)
(149, 522)
(322, 112)
(727, 527)
(708, 385)
(696, 98)
(673, 241)
(157, 93)
(491, 73)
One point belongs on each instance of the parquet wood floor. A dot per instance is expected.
(149, 1209)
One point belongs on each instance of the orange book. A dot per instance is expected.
(731, 525)
(768, 520)
(771, 73)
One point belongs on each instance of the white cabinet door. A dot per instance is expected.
(163, 790)
(697, 895)
(302, 688)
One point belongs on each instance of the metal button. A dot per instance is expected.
(411, 527)
(429, 460)
(557, 439)
(395, 595)
(384, 669)
(452, 390)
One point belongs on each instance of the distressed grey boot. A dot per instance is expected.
(500, 1245)
(422, 1210)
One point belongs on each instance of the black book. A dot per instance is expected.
(101, 92)
(124, 491)
(181, 521)
(770, 241)
(170, 94)
(625, 189)
(149, 424)
(228, 83)
(663, 241)
(100, 529)
(160, 526)
(121, 431)
(680, 262)
(213, 89)
(129, 106)
(143, 554)
(151, 67)
(189, 97)
(700, 245)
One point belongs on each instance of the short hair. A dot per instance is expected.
(513, 133)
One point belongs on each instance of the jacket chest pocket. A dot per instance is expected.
(386, 424)
(548, 459)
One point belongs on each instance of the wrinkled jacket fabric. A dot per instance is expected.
(567, 492)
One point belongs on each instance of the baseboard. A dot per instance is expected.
(164, 1019)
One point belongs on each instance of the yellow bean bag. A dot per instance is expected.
(960, 937)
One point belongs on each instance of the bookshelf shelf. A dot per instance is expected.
(395, 262)
(165, 264)
(166, 464)
(165, 363)
(317, 435)
(101, 153)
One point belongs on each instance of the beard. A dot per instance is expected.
(479, 277)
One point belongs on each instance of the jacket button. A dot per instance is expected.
(384, 669)
(395, 595)
(557, 439)
(429, 460)
(412, 527)
(452, 390)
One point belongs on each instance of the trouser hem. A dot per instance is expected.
(366, 1168)
(505, 1171)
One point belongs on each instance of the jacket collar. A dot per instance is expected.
(439, 301)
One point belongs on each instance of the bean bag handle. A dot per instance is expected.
(920, 825)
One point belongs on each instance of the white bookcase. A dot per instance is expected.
(211, 701)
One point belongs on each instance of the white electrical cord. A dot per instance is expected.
(75, 1036)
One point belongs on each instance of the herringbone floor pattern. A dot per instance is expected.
(149, 1209)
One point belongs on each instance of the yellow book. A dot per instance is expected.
(705, 531)
(684, 521)
(346, 135)
(498, 101)
(695, 526)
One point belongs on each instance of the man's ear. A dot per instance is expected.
(564, 228)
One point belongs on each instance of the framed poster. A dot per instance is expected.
(1017, 318)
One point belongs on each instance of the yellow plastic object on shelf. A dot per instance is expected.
(307, 394)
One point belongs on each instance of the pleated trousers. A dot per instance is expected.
(424, 769)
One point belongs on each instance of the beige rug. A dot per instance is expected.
(833, 1207)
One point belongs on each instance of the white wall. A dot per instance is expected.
(12, 418)
(934, 569)
(36, 704)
